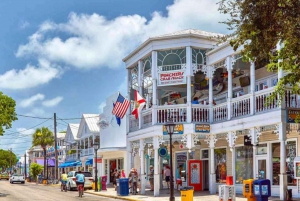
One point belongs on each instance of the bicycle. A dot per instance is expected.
(80, 190)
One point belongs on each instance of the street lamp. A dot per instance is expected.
(96, 147)
(170, 126)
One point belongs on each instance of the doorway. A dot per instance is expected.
(261, 167)
(195, 177)
(112, 167)
(205, 174)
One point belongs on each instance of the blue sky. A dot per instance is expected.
(66, 56)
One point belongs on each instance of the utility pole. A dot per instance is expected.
(55, 148)
(10, 159)
(25, 167)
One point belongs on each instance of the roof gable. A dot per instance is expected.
(88, 124)
(71, 134)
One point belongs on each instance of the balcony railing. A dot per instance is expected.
(71, 157)
(238, 107)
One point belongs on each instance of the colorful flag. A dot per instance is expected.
(121, 106)
(117, 118)
(139, 103)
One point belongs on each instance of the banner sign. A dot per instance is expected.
(177, 130)
(166, 78)
(292, 115)
(202, 128)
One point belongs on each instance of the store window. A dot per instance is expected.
(204, 154)
(244, 163)
(261, 149)
(220, 162)
(290, 156)
(181, 170)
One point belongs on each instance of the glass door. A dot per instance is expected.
(261, 167)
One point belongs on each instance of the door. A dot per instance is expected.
(195, 174)
(261, 167)
(205, 174)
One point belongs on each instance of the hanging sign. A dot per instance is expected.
(292, 115)
(163, 152)
(202, 128)
(166, 78)
(177, 130)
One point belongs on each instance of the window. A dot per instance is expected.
(244, 163)
(261, 85)
(274, 82)
(204, 154)
(220, 163)
(181, 159)
(261, 149)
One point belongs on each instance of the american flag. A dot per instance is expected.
(121, 106)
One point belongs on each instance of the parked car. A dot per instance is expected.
(4, 176)
(17, 178)
(71, 183)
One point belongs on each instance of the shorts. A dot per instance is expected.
(78, 183)
(179, 181)
(167, 178)
(151, 180)
(64, 182)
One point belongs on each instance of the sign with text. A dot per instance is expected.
(292, 115)
(171, 78)
(202, 128)
(177, 130)
(99, 160)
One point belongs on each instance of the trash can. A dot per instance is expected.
(248, 191)
(118, 186)
(104, 180)
(262, 189)
(187, 193)
(124, 187)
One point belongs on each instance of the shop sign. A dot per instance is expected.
(99, 160)
(166, 78)
(292, 115)
(202, 128)
(177, 130)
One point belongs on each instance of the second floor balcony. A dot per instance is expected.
(238, 107)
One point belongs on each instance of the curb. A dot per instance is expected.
(112, 196)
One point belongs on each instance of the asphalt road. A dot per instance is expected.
(33, 192)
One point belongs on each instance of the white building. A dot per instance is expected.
(175, 68)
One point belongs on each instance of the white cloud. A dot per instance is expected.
(53, 102)
(29, 77)
(37, 112)
(30, 101)
(25, 131)
(95, 41)
(101, 106)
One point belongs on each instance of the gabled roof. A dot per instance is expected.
(91, 120)
(61, 135)
(178, 34)
(72, 131)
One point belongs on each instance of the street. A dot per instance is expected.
(30, 191)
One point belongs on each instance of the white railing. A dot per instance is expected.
(220, 112)
(86, 152)
(147, 117)
(200, 113)
(71, 157)
(171, 67)
(261, 102)
(176, 113)
(90, 151)
(291, 100)
(133, 123)
(240, 106)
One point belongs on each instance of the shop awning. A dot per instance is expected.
(68, 164)
(89, 162)
(78, 163)
(51, 162)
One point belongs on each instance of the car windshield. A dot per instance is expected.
(17, 175)
(86, 174)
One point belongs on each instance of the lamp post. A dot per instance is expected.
(96, 147)
(170, 129)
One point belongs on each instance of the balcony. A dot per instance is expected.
(238, 107)
(87, 152)
(71, 157)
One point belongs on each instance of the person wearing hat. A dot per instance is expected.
(151, 178)
(130, 179)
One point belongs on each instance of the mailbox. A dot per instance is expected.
(248, 190)
(262, 189)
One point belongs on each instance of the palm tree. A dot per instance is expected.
(43, 137)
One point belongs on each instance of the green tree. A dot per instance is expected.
(259, 26)
(35, 170)
(43, 137)
(7, 158)
(8, 113)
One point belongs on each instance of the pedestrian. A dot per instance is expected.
(151, 178)
(123, 174)
(116, 176)
(167, 174)
(134, 180)
(178, 176)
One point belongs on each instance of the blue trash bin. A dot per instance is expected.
(262, 189)
(124, 187)
(118, 186)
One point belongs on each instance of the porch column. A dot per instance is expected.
(128, 164)
(142, 177)
(210, 75)
(279, 46)
(282, 176)
(254, 134)
(229, 98)
(211, 140)
(188, 84)
(156, 164)
(154, 87)
(231, 138)
(252, 88)
(140, 76)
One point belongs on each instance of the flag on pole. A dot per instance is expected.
(117, 118)
(121, 107)
(139, 103)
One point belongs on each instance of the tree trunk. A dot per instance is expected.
(45, 163)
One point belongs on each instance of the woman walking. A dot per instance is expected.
(167, 174)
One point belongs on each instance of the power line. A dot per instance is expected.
(21, 115)
(74, 118)
(22, 134)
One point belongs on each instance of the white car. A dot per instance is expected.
(71, 183)
(17, 178)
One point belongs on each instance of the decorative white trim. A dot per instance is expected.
(195, 139)
(211, 140)
(184, 139)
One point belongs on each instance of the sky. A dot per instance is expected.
(65, 57)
